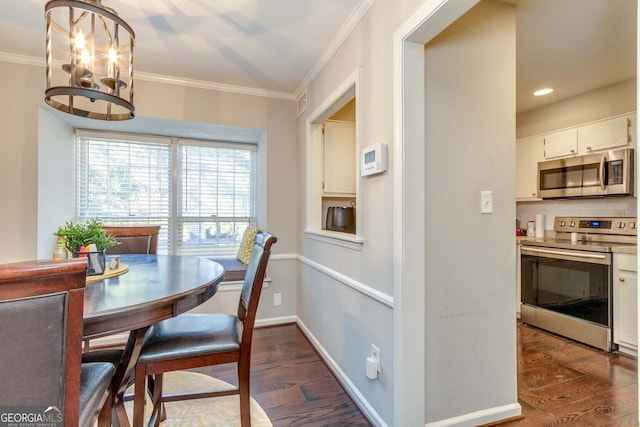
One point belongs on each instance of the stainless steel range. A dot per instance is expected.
(566, 280)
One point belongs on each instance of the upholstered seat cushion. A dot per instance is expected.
(234, 269)
(107, 355)
(191, 335)
(94, 381)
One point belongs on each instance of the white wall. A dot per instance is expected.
(470, 130)
(345, 296)
(18, 160)
(56, 179)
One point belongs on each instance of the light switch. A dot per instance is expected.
(486, 202)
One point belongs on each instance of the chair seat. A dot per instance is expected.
(108, 355)
(94, 382)
(190, 335)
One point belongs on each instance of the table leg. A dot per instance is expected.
(125, 374)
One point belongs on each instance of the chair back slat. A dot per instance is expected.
(253, 281)
(138, 239)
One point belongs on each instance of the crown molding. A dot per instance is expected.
(346, 29)
(201, 84)
(157, 78)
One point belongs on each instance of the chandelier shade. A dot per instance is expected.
(89, 60)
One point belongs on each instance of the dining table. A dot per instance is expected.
(151, 288)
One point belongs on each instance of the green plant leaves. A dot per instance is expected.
(78, 235)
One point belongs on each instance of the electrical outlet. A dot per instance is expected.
(375, 353)
(277, 299)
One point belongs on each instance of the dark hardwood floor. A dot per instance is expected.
(564, 383)
(560, 382)
(292, 383)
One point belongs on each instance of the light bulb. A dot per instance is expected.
(542, 92)
(85, 57)
(79, 40)
(113, 56)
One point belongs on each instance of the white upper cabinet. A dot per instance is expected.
(339, 159)
(529, 151)
(605, 135)
(563, 143)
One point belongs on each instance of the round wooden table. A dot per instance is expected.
(155, 288)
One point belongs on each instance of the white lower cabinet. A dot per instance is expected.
(625, 302)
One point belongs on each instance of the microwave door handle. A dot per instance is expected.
(603, 163)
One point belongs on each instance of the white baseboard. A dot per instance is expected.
(348, 385)
(272, 321)
(484, 416)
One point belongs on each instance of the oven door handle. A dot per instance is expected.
(596, 258)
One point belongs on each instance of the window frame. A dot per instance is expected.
(172, 245)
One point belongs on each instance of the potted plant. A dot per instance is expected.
(89, 239)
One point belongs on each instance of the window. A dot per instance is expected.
(201, 193)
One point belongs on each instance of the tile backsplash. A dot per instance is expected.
(612, 207)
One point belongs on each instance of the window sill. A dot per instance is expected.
(337, 238)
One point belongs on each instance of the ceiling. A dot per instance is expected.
(574, 46)
(276, 45)
(267, 45)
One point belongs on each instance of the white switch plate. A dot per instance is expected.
(486, 202)
(277, 299)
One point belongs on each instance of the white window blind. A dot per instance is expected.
(216, 200)
(201, 193)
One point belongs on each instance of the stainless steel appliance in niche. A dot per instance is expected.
(566, 287)
(341, 219)
(595, 175)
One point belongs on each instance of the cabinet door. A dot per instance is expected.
(563, 143)
(339, 159)
(625, 303)
(604, 135)
(529, 151)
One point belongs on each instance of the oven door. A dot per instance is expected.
(567, 282)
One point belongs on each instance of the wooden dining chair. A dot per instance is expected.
(41, 309)
(134, 239)
(196, 340)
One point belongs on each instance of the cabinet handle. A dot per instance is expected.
(589, 148)
(573, 151)
(533, 194)
(621, 279)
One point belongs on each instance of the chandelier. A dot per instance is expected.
(89, 60)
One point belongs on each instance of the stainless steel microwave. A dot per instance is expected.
(609, 173)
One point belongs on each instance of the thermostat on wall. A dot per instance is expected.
(373, 160)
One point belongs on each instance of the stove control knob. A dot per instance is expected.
(562, 223)
(572, 224)
(621, 225)
(632, 225)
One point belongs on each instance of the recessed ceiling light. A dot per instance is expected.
(541, 92)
